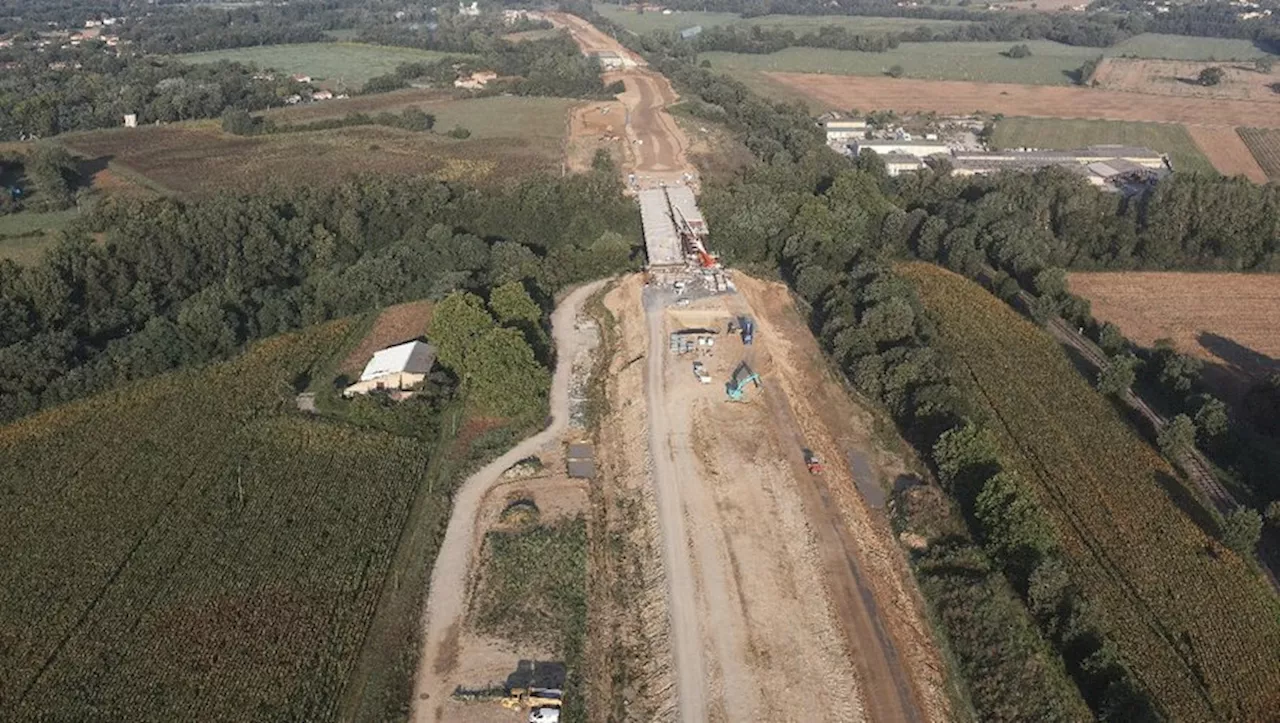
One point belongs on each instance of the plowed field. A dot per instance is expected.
(1228, 154)
(946, 96)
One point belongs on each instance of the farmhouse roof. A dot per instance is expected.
(414, 357)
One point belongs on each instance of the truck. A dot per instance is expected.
(748, 326)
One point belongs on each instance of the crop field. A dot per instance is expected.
(1177, 77)
(1166, 138)
(1194, 622)
(1264, 144)
(191, 548)
(25, 235)
(510, 137)
(646, 22)
(343, 66)
(1038, 101)
(1050, 63)
(1184, 47)
(1228, 319)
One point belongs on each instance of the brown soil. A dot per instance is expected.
(113, 184)
(1227, 319)
(395, 324)
(592, 127)
(1264, 144)
(1177, 78)
(1037, 101)
(1228, 154)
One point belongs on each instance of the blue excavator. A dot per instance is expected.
(736, 387)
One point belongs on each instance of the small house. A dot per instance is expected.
(396, 368)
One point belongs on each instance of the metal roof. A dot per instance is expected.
(414, 357)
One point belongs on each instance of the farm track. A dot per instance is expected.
(1193, 462)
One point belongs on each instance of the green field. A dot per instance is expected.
(1049, 63)
(25, 235)
(1195, 623)
(643, 23)
(1182, 47)
(193, 548)
(1168, 138)
(333, 65)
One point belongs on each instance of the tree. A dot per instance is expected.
(1211, 419)
(513, 307)
(1264, 64)
(52, 171)
(1110, 338)
(1118, 375)
(1177, 437)
(895, 71)
(1014, 529)
(1273, 514)
(1241, 530)
(1018, 51)
(456, 326)
(1211, 76)
(503, 376)
(1051, 282)
(459, 132)
(237, 121)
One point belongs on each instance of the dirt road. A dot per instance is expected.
(446, 598)
(656, 147)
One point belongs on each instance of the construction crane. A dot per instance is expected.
(736, 387)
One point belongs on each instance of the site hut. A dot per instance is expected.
(580, 461)
(688, 340)
(397, 369)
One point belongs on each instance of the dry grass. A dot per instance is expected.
(1177, 78)
(395, 324)
(1232, 320)
(944, 96)
(519, 136)
(1228, 154)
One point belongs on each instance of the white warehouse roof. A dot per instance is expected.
(413, 357)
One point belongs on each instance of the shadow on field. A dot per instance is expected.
(1190, 505)
(1238, 356)
(537, 674)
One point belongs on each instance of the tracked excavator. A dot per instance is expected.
(736, 387)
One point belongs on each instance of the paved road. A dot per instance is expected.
(446, 603)
(686, 645)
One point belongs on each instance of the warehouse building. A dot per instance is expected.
(397, 368)
(918, 149)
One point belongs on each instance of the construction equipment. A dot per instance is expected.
(736, 387)
(700, 371)
(748, 327)
(812, 461)
(536, 699)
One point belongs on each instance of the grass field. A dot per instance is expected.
(643, 23)
(1193, 621)
(1183, 47)
(24, 236)
(191, 548)
(1049, 63)
(510, 137)
(1166, 138)
(333, 65)
(1264, 144)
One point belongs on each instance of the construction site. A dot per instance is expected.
(741, 563)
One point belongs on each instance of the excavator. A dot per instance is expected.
(736, 387)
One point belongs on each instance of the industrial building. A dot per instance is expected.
(840, 130)
(397, 368)
(918, 149)
(967, 163)
(898, 163)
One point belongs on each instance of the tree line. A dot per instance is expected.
(46, 92)
(177, 283)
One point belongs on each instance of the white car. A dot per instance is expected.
(544, 715)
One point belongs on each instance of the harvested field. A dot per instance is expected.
(1185, 47)
(1050, 63)
(518, 136)
(641, 23)
(395, 324)
(1062, 133)
(1229, 154)
(1264, 144)
(1231, 320)
(1178, 78)
(846, 91)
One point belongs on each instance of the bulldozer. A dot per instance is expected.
(736, 387)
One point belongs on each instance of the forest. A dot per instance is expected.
(178, 283)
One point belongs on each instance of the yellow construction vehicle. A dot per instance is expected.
(543, 703)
